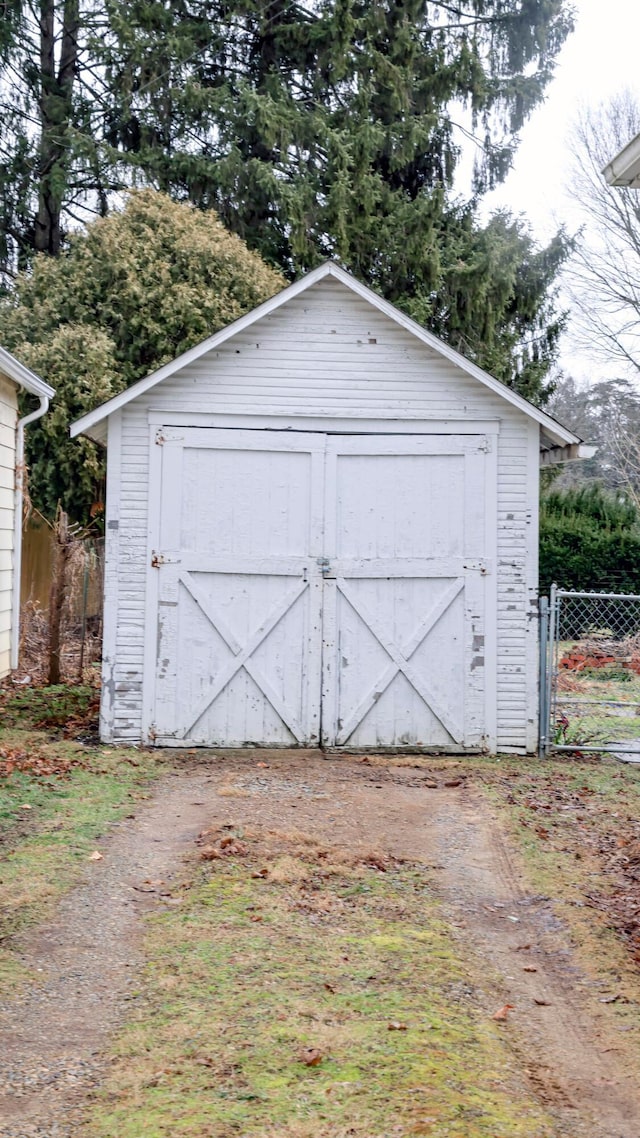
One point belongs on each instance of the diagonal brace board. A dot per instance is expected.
(400, 661)
(242, 654)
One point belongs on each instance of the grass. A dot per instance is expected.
(51, 707)
(577, 825)
(612, 716)
(57, 798)
(297, 993)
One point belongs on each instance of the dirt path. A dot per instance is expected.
(51, 1039)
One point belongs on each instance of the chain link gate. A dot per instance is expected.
(590, 673)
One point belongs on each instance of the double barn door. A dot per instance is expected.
(315, 589)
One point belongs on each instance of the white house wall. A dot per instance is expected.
(8, 418)
(325, 355)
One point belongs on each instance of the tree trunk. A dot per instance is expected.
(56, 108)
(57, 596)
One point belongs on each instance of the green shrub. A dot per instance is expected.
(589, 540)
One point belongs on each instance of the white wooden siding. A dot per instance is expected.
(327, 355)
(8, 417)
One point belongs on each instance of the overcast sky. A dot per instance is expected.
(601, 57)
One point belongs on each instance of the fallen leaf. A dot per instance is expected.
(529, 968)
(95, 856)
(25, 806)
(610, 999)
(311, 1056)
(541, 1003)
(229, 841)
(155, 1080)
(396, 1026)
(265, 766)
(453, 782)
(503, 1012)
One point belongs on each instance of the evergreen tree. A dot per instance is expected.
(328, 130)
(50, 160)
(335, 131)
(589, 540)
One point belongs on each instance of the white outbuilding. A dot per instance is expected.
(14, 376)
(322, 529)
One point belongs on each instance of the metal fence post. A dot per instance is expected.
(551, 661)
(543, 610)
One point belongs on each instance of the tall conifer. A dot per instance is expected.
(319, 128)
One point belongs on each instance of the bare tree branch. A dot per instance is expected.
(604, 274)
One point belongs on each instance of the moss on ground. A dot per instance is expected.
(295, 993)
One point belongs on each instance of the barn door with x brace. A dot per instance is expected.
(405, 652)
(237, 541)
(310, 588)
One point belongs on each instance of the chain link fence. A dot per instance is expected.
(590, 672)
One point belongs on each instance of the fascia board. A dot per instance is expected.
(624, 169)
(552, 428)
(83, 425)
(13, 369)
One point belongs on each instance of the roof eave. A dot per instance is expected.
(14, 370)
(624, 169)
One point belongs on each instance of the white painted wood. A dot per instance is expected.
(532, 538)
(8, 419)
(237, 623)
(13, 370)
(266, 421)
(203, 668)
(326, 273)
(491, 593)
(111, 578)
(394, 385)
(400, 643)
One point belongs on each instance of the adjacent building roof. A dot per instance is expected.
(624, 169)
(554, 435)
(13, 369)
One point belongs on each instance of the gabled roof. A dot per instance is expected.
(556, 433)
(13, 369)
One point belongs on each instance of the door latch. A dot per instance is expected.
(324, 566)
